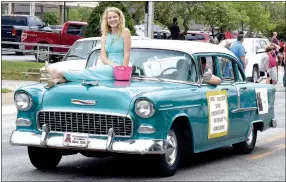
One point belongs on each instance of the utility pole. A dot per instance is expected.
(32, 8)
(10, 8)
(148, 21)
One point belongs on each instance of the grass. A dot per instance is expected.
(5, 90)
(12, 70)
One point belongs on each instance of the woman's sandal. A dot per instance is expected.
(52, 83)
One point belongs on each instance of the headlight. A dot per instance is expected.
(144, 108)
(23, 101)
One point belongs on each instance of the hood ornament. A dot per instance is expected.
(93, 83)
(83, 102)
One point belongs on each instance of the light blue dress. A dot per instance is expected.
(114, 48)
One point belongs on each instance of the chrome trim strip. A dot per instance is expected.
(244, 109)
(180, 107)
(144, 146)
(89, 112)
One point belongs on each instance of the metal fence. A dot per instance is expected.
(34, 51)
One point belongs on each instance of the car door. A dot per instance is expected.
(215, 104)
(245, 105)
(228, 72)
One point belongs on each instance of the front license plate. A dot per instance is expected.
(75, 140)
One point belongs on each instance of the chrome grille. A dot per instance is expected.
(97, 124)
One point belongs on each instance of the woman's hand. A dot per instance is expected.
(115, 64)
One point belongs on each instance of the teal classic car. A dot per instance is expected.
(165, 111)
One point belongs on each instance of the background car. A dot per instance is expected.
(254, 48)
(199, 36)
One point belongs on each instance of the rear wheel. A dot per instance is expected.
(43, 54)
(44, 158)
(255, 74)
(248, 145)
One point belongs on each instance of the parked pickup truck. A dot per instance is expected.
(69, 33)
(13, 26)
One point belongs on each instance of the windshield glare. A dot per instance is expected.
(164, 64)
(80, 50)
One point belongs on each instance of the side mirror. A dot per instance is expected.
(260, 51)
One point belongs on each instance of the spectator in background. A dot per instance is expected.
(228, 35)
(284, 77)
(280, 54)
(273, 65)
(274, 38)
(238, 50)
(264, 64)
(175, 30)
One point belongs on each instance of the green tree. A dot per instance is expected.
(258, 16)
(277, 12)
(94, 20)
(79, 13)
(50, 18)
(137, 10)
(222, 16)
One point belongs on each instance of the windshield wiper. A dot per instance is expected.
(77, 56)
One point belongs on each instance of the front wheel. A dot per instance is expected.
(168, 163)
(44, 158)
(248, 145)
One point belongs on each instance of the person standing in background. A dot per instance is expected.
(175, 30)
(274, 39)
(238, 50)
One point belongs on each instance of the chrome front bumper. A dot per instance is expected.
(143, 146)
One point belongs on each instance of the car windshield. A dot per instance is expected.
(156, 63)
(80, 50)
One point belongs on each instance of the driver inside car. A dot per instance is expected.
(208, 77)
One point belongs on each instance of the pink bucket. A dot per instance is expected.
(122, 73)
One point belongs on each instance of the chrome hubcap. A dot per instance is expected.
(42, 55)
(250, 135)
(171, 148)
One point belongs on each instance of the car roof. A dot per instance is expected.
(189, 47)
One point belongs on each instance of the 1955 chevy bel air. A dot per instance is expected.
(165, 111)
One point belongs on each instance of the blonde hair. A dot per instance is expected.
(105, 28)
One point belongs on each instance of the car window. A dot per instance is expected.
(14, 20)
(38, 21)
(191, 36)
(226, 68)
(200, 37)
(207, 64)
(75, 30)
(263, 44)
(258, 46)
(239, 75)
(32, 21)
(80, 50)
(165, 64)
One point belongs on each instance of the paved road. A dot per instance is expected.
(266, 163)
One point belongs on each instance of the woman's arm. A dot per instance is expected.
(127, 46)
(103, 52)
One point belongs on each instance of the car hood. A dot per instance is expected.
(109, 96)
(68, 65)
